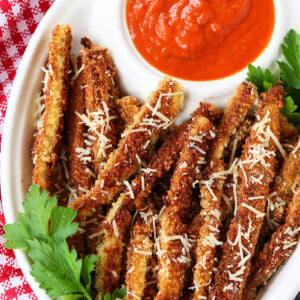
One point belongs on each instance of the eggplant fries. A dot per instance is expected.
(208, 209)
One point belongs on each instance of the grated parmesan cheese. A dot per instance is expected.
(130, 191)
(115, 227)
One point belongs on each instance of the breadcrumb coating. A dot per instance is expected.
(101, 93)
(281, 193)
(48, 137)
(140, 188)
(128, 107)
(139, 254)
(173, 244)
(76, 130)
(258, 159)
(278, 249)
(157, 114)
(211, 191)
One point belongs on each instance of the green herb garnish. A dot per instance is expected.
(289, 73)
(117, 294)
(262, 79)
(42, 231)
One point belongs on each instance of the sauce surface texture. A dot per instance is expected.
(200, 39)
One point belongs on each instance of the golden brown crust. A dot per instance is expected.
(78, 163)
(211, 191)
(278, 249)
(92, 230)
(139, 254)
(237, 139)
(110, 251)
(232, 154)
(101, 93)
(49, 136)
(174, 246)
(281, 193)
(57, 180)
(287, 130)
(258, 159)
(128, 107)
(141, 187)
(162, 107)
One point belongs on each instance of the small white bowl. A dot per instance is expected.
(142, 74)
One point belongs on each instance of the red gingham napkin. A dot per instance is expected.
(18, 20)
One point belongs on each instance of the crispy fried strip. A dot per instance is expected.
(278, 249)
(109, 264)
(161, 109)
(259, 158)
(282, 192)
(140, 188)
(80, 169)
(287, 130)
(160, 164)
(101, 94)
(211, 192)
(237, 139)
(56, 91)
(128, 107)
(139, 254)
(173, 249)
(232, 153)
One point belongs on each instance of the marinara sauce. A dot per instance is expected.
(200, 39)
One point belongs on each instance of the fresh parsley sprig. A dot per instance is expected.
(117, 294)
(289, 73)
(42, 231)
(290, 70)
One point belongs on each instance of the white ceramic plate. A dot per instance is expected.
(103, 21)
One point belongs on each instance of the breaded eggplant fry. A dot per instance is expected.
(232, 154)
(173, 249)
(109, 264)
(237, 139)
(139, 254)
(101, 93)
(278, 249)
(128, 107)
(93, 230)
(287, 130)
(49, 136)
(156, 115)
(79, 151)
(57, 182)
(141, 187)
(257, 162)
(194, 233)
(134, 197)
(211, 191)
(282, 192)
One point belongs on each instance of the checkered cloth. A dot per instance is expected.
(18, 20)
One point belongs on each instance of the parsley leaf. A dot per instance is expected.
(290, 70)
(33, 223)
(42, 231)
(88, 265)
(289, 74)
(262, 79)
(56, 268)
(117, 294)
(290, 111)
(62, 225)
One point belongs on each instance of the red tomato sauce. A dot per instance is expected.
(200, 39)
